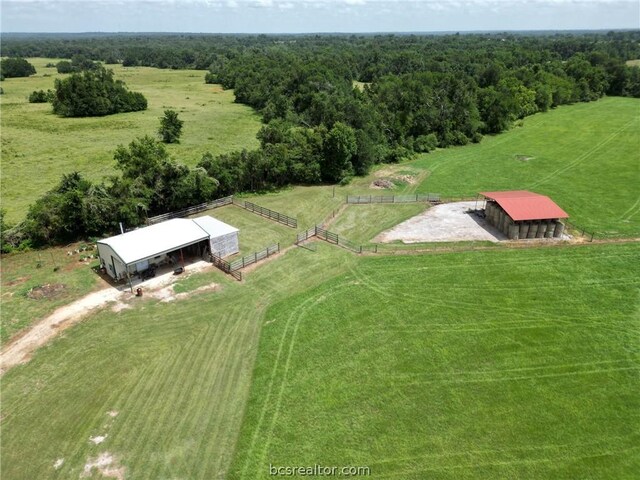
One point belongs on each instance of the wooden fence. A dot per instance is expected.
(233, 268)
(185, 212)
(265, 212)
(364, 199)
(335, 239)
(423, 197)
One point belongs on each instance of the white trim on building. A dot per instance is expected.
(136, 250)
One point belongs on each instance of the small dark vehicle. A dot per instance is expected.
(148, 273)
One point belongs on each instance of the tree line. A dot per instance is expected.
(414, 94)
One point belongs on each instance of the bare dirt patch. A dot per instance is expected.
(48, 290)
(58, 463)
(448, 222)
(106, 465)
(382, 183)
(17, 281)
(98, 439)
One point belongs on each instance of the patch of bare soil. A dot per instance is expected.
(98, 439)
(167, 293)
(17, 281)
(410, 179)
(106, 465)
(58, 463)
(382, 183)
(48, 290)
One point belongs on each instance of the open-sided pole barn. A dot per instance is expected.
(165, 243)
(521, 214)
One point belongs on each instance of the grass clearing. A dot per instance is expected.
(360, 223)
(584, 156)
(20, 273)
(256, 232)
(495, 364)
(38, 147)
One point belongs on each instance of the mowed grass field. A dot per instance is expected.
(496, 364)
(586, 157)
(38, 146)
(175, 377)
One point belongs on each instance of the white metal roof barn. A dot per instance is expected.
(163, 243)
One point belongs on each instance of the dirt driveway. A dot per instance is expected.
(19, 350)
(448, 222)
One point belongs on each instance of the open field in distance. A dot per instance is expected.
(38, 146)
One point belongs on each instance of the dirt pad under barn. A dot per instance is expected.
(449, 222)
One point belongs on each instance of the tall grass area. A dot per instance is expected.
(38, 147)
(495, 364)
(176, 374)
(584, 156)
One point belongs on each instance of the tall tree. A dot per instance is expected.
(170, 127)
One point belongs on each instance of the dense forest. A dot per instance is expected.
(414, 93)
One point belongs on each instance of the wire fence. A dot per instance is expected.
(233, 268)
(185, 212)
(588, 235)
(268, 213)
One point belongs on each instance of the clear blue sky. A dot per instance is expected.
(299, 16)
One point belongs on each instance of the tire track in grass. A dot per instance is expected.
(271, 383)
(584, 156)
(563, 451)
(320, 297)
(631, 212)
(294, 318)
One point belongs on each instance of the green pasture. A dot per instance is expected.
(584, 156)
(38, 147)
(177, 374)
(361, 223)
(493, 364)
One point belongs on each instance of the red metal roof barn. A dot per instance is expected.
(524, 214)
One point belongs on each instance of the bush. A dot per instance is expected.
(16, 67)
(40, 96)
(425, 143)
(95, 93)
(64, 66)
